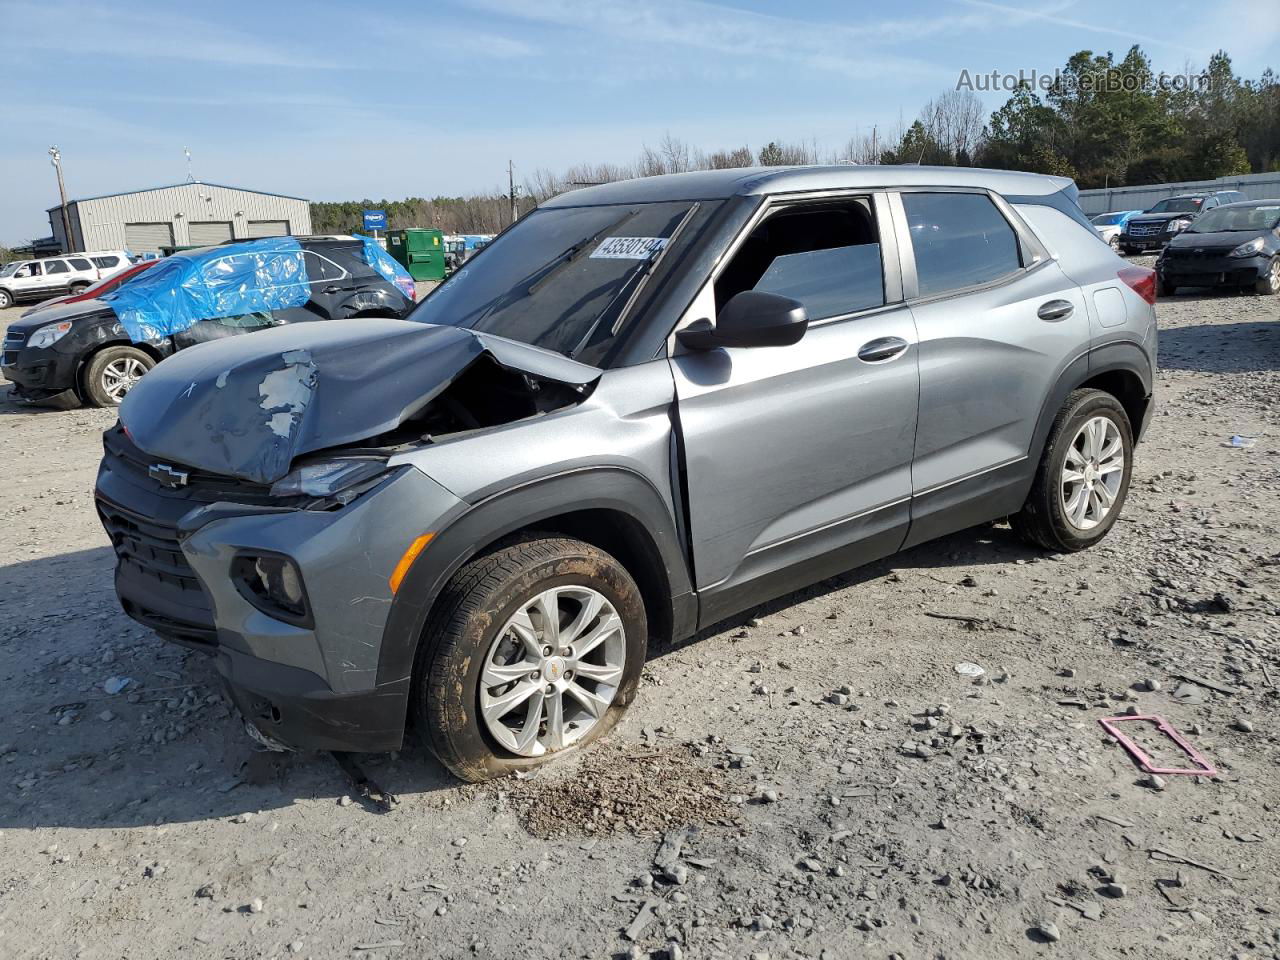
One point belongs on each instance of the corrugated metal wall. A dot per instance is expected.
(102, 221)
(1255, 186)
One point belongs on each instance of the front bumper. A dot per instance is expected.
(38, 372)
(1206, 271)
(1146, 242)
(306, 687)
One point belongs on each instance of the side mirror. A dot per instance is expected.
(750, 319)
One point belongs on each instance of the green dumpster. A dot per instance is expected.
(421, 251)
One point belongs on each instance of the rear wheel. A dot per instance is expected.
(533, 650)
(1083, 478)
(77, 288)
(111, 374)
(1269, 283)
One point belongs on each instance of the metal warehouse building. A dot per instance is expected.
(185, 214)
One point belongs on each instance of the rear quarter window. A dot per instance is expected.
(106, 261)
(79, 263)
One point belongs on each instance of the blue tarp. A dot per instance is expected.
(387, 265)
(256, 276)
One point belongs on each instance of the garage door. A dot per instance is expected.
(268, 228)
(147, 237)
(205, 233)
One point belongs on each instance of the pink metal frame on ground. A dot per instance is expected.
(1203, 769)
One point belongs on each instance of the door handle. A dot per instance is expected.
(1053, 310)
(882, 349)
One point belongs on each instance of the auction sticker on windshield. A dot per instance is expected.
(628, 248)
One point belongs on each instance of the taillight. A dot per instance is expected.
(1142, 280)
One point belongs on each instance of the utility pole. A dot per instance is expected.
(511, 190)
(56, 160)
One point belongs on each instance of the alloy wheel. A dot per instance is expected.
(553, 670)
(1092, 473)
(119, 376)
(1273, 276)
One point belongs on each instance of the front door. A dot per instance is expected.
(797, 459)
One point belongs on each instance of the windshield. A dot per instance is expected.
(1239, 220)
(1177, 205)
(561, 278)
(1108, 219)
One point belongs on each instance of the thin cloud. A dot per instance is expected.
(1021, 15)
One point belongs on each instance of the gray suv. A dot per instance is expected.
(645, 407)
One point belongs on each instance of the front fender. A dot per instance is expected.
(596, 488)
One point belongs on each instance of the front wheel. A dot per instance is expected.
(1269, 283)
(533, 650)
(111, 374)
(1114, 242)
(6, 299)
(1083, 477)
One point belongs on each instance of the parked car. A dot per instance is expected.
(648, 406)
(1237, 245)
(42, 279)
(1169, 217)
(95, 291)
(98, 349)
(1109, 225)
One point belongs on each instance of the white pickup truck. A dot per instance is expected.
(54, 276)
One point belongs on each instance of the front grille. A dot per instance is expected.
(1146, 229)
(202, 485)
(156, 584)
(13, 341)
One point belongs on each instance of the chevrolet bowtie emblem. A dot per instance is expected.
(166, 476)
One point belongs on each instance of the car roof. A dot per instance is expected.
(754, 181)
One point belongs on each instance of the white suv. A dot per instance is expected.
(53, 276)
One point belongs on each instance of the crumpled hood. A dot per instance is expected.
(247, 406)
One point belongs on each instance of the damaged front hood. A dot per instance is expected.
(246, 406)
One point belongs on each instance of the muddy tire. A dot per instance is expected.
(1269, 283)
(533, 650)
(111, 373)
(1083, 477)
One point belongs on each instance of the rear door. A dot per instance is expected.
(998, 321)
(797, 459)
(56, 278)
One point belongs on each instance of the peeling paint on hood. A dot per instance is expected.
(247, 406)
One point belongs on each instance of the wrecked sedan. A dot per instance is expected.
(96, 349)
(643, 408)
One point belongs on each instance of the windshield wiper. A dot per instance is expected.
(643, 272)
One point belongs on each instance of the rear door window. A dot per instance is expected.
(55, 266)
(79, 263)
(960, 240)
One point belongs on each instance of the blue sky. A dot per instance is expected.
(333, 101)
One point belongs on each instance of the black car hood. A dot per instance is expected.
(1222, 241)
(1159, 217)
(62, 311)
(246, 406)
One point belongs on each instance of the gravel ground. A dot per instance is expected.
(816, 781)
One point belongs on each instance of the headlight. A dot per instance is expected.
(48, 335)
(327, 477)
(1249, 249)
(1175, 225)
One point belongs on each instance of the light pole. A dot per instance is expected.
(56, 160)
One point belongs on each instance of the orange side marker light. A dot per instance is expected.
(406, 561)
